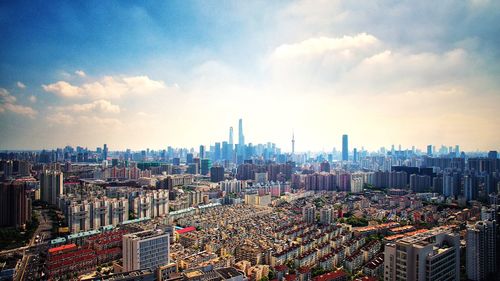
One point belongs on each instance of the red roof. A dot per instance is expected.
(330, 276)
(186, 229)
(62, 248)
(366, 278)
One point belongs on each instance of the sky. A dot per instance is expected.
(152, 74)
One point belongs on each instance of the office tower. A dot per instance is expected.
(457, 150)
(429, 256)
(217, 154)
(145, 249)
(355, 155)
(201, 154)
(481, 251)
(241, 137)
(326, 215)
(51, 186)
(231, 136)
(205, 166)
(15, 205)
(493, 154)
(345, 148)
(309, 214)
(189, 158)
(293, 143)
(105, 152)
(429, 150)
(216, 173)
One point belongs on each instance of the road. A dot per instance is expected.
(32, 264)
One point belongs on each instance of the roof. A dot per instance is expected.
(330, 276)
(186, 229)
(62, 248)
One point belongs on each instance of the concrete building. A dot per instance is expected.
(432, 256)
(481, 251)
(51, 186)
(145, 249)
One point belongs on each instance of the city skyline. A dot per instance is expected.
(180, 73)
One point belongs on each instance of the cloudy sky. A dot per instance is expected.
(179, 73)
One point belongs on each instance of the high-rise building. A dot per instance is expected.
(493, 154)
(470, 188)
(241, 137)
(355, 155)
(309, 214)
(51, 186)
(189, 158)
(15, 205)
(429, 256)
(145, 249)
(293, 143)
(216, 173)
(326, 215)
(231, 136)
(429, 150)
(202, 152)
(481, 251)
(205, 166)
(105, 152)
(217, 154)
(345, 148)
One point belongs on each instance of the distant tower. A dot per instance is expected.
(293, 143)
(345, 148)
(231, 136)
(241, 137)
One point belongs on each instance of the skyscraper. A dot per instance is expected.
(241, 137)
(293, 143)
(105, 152)
(481, 255)
(202, 152)
(429, 150)
(51, 186)
(231, 136)
(345, 148)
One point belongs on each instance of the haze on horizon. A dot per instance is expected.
(180, 73)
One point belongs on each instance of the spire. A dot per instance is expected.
(293, 142)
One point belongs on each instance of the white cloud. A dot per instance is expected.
(60, 118)
(98, 106)
(8, 103)
(318, 46)
(80, 73)
(32, 98)
(107, 87)
(20, 85)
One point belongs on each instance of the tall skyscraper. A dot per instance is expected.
(202, 152)
(145, 249)
(293, 143)
(433, 255)
(51, 186)
(345, 148)
(429, 150)
(481, 251)
(241, 137)
(105, 152)
(231, 136)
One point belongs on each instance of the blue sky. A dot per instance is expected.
(179, 73)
